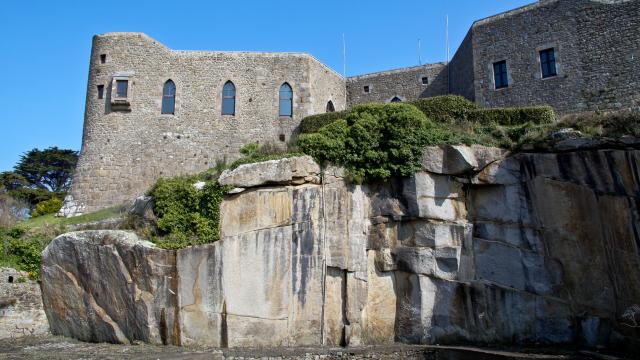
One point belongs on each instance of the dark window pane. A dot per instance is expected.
(425, 80)
(100, 91)
(548, 63)
(121, 88)
(228, 106)
(168, 97)
(228, 99)
(500, 74)
(103, 58)
(330, 107)
(168, 105)
(366, 89)
(286, 100)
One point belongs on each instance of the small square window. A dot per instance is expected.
(500, 74)
(548, 63)
(100, 91)
(121, 88)
(103, 58)
(366, 89)
(425, 80)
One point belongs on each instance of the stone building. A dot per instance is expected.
(153, 112)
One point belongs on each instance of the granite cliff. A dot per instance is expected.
(481, 246)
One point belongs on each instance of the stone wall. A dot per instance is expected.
(125, 151)
(596, 48)
(479, 246)
(21, 310)
(404, 83)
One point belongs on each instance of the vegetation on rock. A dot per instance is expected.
(186, 214)
(374, 142)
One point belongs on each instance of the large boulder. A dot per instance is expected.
(293, 170)
(459, 159)
(109, 286)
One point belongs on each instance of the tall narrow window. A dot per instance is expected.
(548, 63)
(330, 107)
(100, 91)
(103, 58)
(228, 99)
(169, 97)
(396, 99)
(500, 74)
(121, 88)
(286, 100)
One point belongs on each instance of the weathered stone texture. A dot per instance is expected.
(197, 135)
(545, 255)
(596, 50)
(21, 311)
(405, 83)
(109, 286)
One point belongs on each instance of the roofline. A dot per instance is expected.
(215, 52)
(517, 10)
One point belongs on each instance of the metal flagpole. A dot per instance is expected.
(344, 57)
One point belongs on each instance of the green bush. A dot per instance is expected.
(446, 108)
(186, 215)
(21, 251)
(313, 123)
(513, 116)
(50, 206)
(374, 141)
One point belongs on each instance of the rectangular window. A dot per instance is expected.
(100, 91)
(425, 81)
(103, 58)
(121, 88)
(366, 89)
(500, 74)
(548, 63)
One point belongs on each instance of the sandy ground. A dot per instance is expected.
(55, 347)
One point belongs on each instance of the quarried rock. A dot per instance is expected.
(109, 286)
(282, 171)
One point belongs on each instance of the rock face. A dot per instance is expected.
(108, 286)
(528, 249)
(21, 311)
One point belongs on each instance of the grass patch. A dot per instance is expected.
(50, 220)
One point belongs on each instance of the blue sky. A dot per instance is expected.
(45, 46)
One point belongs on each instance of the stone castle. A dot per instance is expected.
(155, 112)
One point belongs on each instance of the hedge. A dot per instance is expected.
(513, 116)
(313, 123)
(446, 108)
(451, 110)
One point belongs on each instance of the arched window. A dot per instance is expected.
(169, 97)
(396, 99)
(228, 99)
(330, 107)
(286, 100)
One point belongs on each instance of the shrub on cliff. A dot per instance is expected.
(187, 215)
(22, 251)
(50, 206)
(374, 141)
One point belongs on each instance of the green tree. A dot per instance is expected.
(50, 169)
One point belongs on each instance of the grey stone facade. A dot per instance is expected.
(128, 144)
(405, 84)
(126, 148)
(597, 49)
